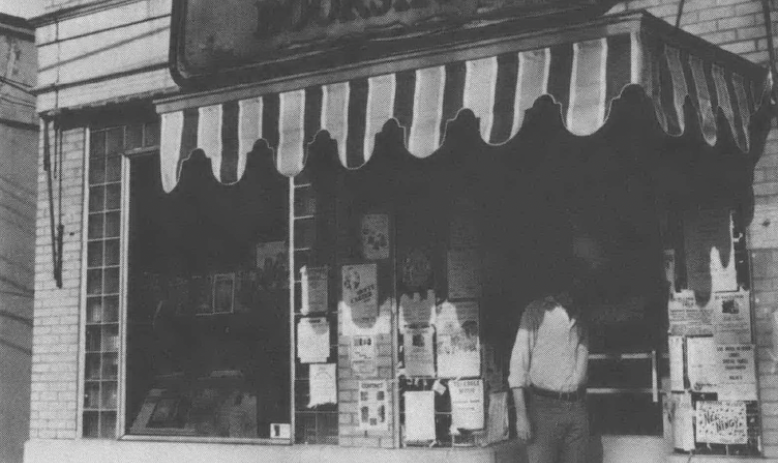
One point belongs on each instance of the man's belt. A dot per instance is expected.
(571, 396)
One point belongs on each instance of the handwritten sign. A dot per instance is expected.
(721, 423)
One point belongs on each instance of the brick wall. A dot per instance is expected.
(738, 26)
(55, 360)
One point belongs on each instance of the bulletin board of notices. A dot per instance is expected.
(713, 403)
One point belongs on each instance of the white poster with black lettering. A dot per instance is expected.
(364, 356)
(467, 404)
(373, 405)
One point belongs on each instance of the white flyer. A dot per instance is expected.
(364, 356)
(418, 351)
(322, 379)
(373, 405)
(313, 340)
(467, 404)
(458, 345)
(419, 416)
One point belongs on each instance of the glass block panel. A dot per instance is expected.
(96, 171)
(113, 196)
(110, 338)
(95, 226)
(108, 396)
(133, 136)
(93, 334)
(92, 394)
(111, 280)
(107, 424)
(111, 313)
(113, 169)
(112, 252)
(97, 144)
(110, 366)
(112, 224)
(91, 424)
(96, 198)
(92, 366)
(94, 281)
(114, 140)
(94, 310)
(94, 254)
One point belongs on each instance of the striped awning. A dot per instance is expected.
(583, 77)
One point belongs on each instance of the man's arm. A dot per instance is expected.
(518, 377)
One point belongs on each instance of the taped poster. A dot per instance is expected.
(463, 274)
(701, 364)
(313, 340)
(375, 236)
(721, 423)
(417, 309)
(467, 404)
(419, 416)
(731, 317)
(360, 290)
(676, 363)
(686, 317)
(314, 289)
(458, 346)
(737, 372)
(322, 384)
(683, 422)
(364, 356)
(373, 405)
(418, 351)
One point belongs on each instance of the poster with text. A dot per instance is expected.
(375, 236)
(360, 289)
(364, 356)
(373, 405)
(313, 340)
(686, 317)
(736, 372)
(419, 416)
(463, 273)
(314, 289)
(322, 378)
(418, 351)
(721, 423)
(458, 345)
(731, 317)
(417, 309)
(467, 404)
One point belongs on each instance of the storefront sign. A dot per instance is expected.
(375, 236)
(314, 289)
(230, 39)
(467, 404)
(419, 353)
(419, 416)
(313, 340)
(458, 346)
(373, 403)
(360, 290)
(721, 422)
(322, 384)
(364, 356)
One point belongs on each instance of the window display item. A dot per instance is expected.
(467, 404)
(373, 405)
(322, 379)
(360, 290)
(418, 351)
(458, 345)
(313, 340)
(364, 356)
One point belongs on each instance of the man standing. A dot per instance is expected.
(548, 377)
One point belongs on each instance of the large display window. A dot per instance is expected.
(208, 343)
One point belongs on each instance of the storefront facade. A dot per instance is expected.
(420, 201)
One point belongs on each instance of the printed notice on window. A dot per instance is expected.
(314, 289)
(458, 346)
(322, 380)
(360, 290)
(419, 352)
(313, 340)
(373, 405)
(364, 356)
(419, 416)
(467, 404)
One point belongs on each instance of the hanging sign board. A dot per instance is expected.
(225, 42)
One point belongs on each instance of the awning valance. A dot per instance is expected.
(584, 77)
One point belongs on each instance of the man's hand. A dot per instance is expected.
(523, 428)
